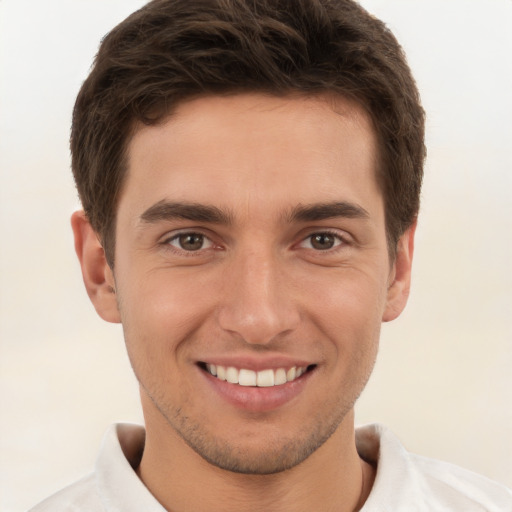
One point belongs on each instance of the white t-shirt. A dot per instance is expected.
(404, 482)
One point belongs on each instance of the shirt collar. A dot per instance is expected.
(121, 490)
(119, 487)
(396, 483)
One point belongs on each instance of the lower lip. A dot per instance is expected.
(255, 399)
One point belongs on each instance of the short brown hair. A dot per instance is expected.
(171, 50)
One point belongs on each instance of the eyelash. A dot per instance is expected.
(340, 242)
(183, 252)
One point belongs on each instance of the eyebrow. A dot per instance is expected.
(323, 211)
(168, 210)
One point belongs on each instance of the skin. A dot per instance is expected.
(255, 289)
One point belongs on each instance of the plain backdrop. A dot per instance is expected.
(443, 381)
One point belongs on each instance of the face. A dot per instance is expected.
(252, 274)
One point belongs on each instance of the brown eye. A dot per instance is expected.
(322, 241)
(190, 242)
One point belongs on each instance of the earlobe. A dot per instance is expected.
(97, 274)
(400, 277)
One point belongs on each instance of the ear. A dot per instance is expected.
(97, 274)
(400, 276)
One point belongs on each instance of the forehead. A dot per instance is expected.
(254, 150)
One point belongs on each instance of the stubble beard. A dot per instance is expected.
(277, 452)
(280, 450)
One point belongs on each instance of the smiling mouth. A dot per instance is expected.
(261, 379)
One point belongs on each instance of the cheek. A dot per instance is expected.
(347, 310)
(159, 312)
(347, 298)
(159, 317)
(162, 297)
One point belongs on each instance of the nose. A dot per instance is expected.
(258, 303)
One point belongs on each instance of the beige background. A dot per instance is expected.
(444, 379)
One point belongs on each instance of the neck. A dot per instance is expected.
(333, 478)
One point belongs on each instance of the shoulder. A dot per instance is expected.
(79, 496)
(409, 482)
(114, 485)
(451, 484)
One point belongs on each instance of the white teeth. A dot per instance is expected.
(280, 377)
(212, 369)
(263, 378)
(221, 372)
(232, 375)
(247, 378)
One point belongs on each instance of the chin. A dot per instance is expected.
(264, 452)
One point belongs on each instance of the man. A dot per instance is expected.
(250, 173)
